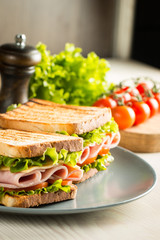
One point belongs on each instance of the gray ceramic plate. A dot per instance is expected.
(127, 178)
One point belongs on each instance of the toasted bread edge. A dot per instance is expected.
(38, 199)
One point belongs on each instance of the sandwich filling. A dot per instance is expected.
(48, 173)
(96, 146)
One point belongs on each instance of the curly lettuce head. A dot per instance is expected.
(68, 77)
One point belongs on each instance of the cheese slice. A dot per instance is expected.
(46, 166)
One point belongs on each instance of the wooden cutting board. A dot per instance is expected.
(142, 138)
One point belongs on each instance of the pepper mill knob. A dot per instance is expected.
(17, 64)
(20, 40)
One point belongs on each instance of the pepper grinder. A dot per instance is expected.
(17, 64)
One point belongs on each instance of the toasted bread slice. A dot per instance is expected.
(41, 115)
(89, 174)
(21, 144)
(38, 199)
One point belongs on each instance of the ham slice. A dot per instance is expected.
(110, 141)
(73, 174)
(85, 154)
(94, 150)
(60, 173)
(115, 140)
(34, 177)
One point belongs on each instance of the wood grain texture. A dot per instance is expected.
(144, 137)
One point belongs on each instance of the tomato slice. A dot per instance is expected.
(103, 151)
(70, 168)
(64, 182)
(88, 161)
(124, 116)
(38, 186)
(105, 102)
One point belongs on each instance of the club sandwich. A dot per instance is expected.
(38, 168)
(94, 125)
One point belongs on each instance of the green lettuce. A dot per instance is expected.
(110, 127)
(50, 156)
(99, 163)
(56, 186)
(65, 133)
(98, 134)
(68, 77)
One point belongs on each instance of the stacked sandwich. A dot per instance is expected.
(46, 148)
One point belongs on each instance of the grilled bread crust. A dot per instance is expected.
(87, 175)
(45, 116)
(38, 199)
(21, 144)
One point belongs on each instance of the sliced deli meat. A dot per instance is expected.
(110, 141)
(115, 140)
(36, 176)
(73, 173)
(94, 150)
(85, 154)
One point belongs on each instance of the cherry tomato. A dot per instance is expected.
(143, 87)
(126, 97)
(124, 116)
(153, 105)
(105, 102)
(142, 112)
(134, 92)
(121, 90)
(157, 97)
(121, 98)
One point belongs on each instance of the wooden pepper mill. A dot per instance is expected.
(17, 64)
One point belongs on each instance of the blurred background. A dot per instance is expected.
(112, 28)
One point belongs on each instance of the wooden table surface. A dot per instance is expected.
(138, 220)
